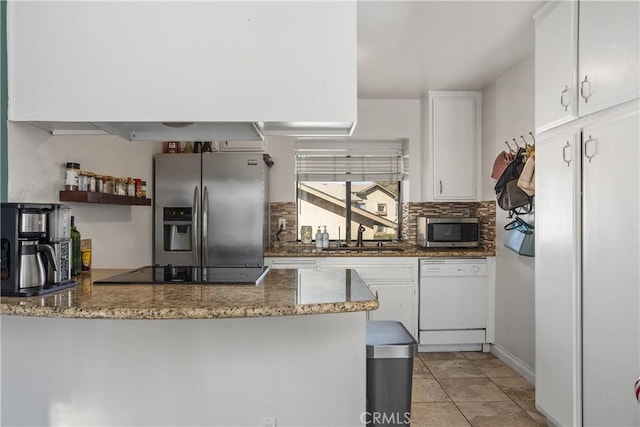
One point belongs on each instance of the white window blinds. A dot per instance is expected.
(359, 161)
(346, 168)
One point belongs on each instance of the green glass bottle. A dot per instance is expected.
(76, 256)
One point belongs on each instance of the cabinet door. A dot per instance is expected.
(557, 297)
(253, 146)
(611, 277)
(396, 303)
(609, 46)
(454, 145)
(556, 55)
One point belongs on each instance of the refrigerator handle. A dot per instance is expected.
(205, 221)
(195, 228)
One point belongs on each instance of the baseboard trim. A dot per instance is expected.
(514, 363)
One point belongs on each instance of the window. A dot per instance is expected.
(341, 190)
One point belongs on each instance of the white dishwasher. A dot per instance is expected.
(453, 303)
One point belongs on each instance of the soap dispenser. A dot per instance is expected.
(319, 239)
(325, 238)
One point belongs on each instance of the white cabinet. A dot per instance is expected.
(587, 276)
(250, 146)
(587, 58)
(453, 145)
(610, 273)
(395, 280)
(395, 303)
(557, 289)
(556, 51)
(293, 262)
(609, 47)
(268, 63)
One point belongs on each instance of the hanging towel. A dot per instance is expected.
(527, 180)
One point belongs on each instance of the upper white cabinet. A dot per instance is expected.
(587, 58)
(453, 145)
(250, 146)
(276, 65)
(556, 50)
(609, 47)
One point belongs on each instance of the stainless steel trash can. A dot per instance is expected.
(390, 352)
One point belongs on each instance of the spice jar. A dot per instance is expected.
(82, 180)
(106, 184)
(99, 184)
(122, 187)
(137, 182)
(131, 188)
(144, 189)
(91, 181)
(71, 177)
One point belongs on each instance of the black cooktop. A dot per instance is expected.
(230, 275)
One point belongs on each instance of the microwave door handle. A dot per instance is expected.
(195, 250)
(205, 226)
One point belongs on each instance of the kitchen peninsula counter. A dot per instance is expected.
(281, 293)
(292, 348)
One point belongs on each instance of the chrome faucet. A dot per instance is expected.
(360, 231)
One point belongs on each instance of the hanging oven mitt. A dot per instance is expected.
(527, 180)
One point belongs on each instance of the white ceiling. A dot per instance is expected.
(406, 48)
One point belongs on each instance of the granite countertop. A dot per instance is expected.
(387, 250)
(281, 293)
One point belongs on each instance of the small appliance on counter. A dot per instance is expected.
(36, 249)
(448, 232)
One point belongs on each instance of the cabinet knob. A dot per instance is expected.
(565, 91)
(564, 154)
(589, 141)
(585, 89)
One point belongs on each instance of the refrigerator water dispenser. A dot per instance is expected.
(177, 229)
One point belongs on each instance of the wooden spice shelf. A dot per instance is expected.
(102, 198)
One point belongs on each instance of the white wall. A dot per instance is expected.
(508, 110)
(282, 176)
(121, 235)
(394, 119)
(377, 119)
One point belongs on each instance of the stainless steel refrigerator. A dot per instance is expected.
(210, 213)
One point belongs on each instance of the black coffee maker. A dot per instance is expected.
(35, 255)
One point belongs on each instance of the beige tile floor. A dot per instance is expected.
(470, 389)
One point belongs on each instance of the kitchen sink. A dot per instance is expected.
(376, 249)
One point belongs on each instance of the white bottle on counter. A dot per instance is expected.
(319, 239)
(325, 238)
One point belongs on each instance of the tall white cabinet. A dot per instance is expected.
(610, 271)
(557, 278)
(587, 282)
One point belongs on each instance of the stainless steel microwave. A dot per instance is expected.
(451, 232)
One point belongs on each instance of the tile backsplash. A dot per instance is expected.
(485, 211)
(286, 210)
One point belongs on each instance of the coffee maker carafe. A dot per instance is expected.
(35, 249)
(32, 270)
